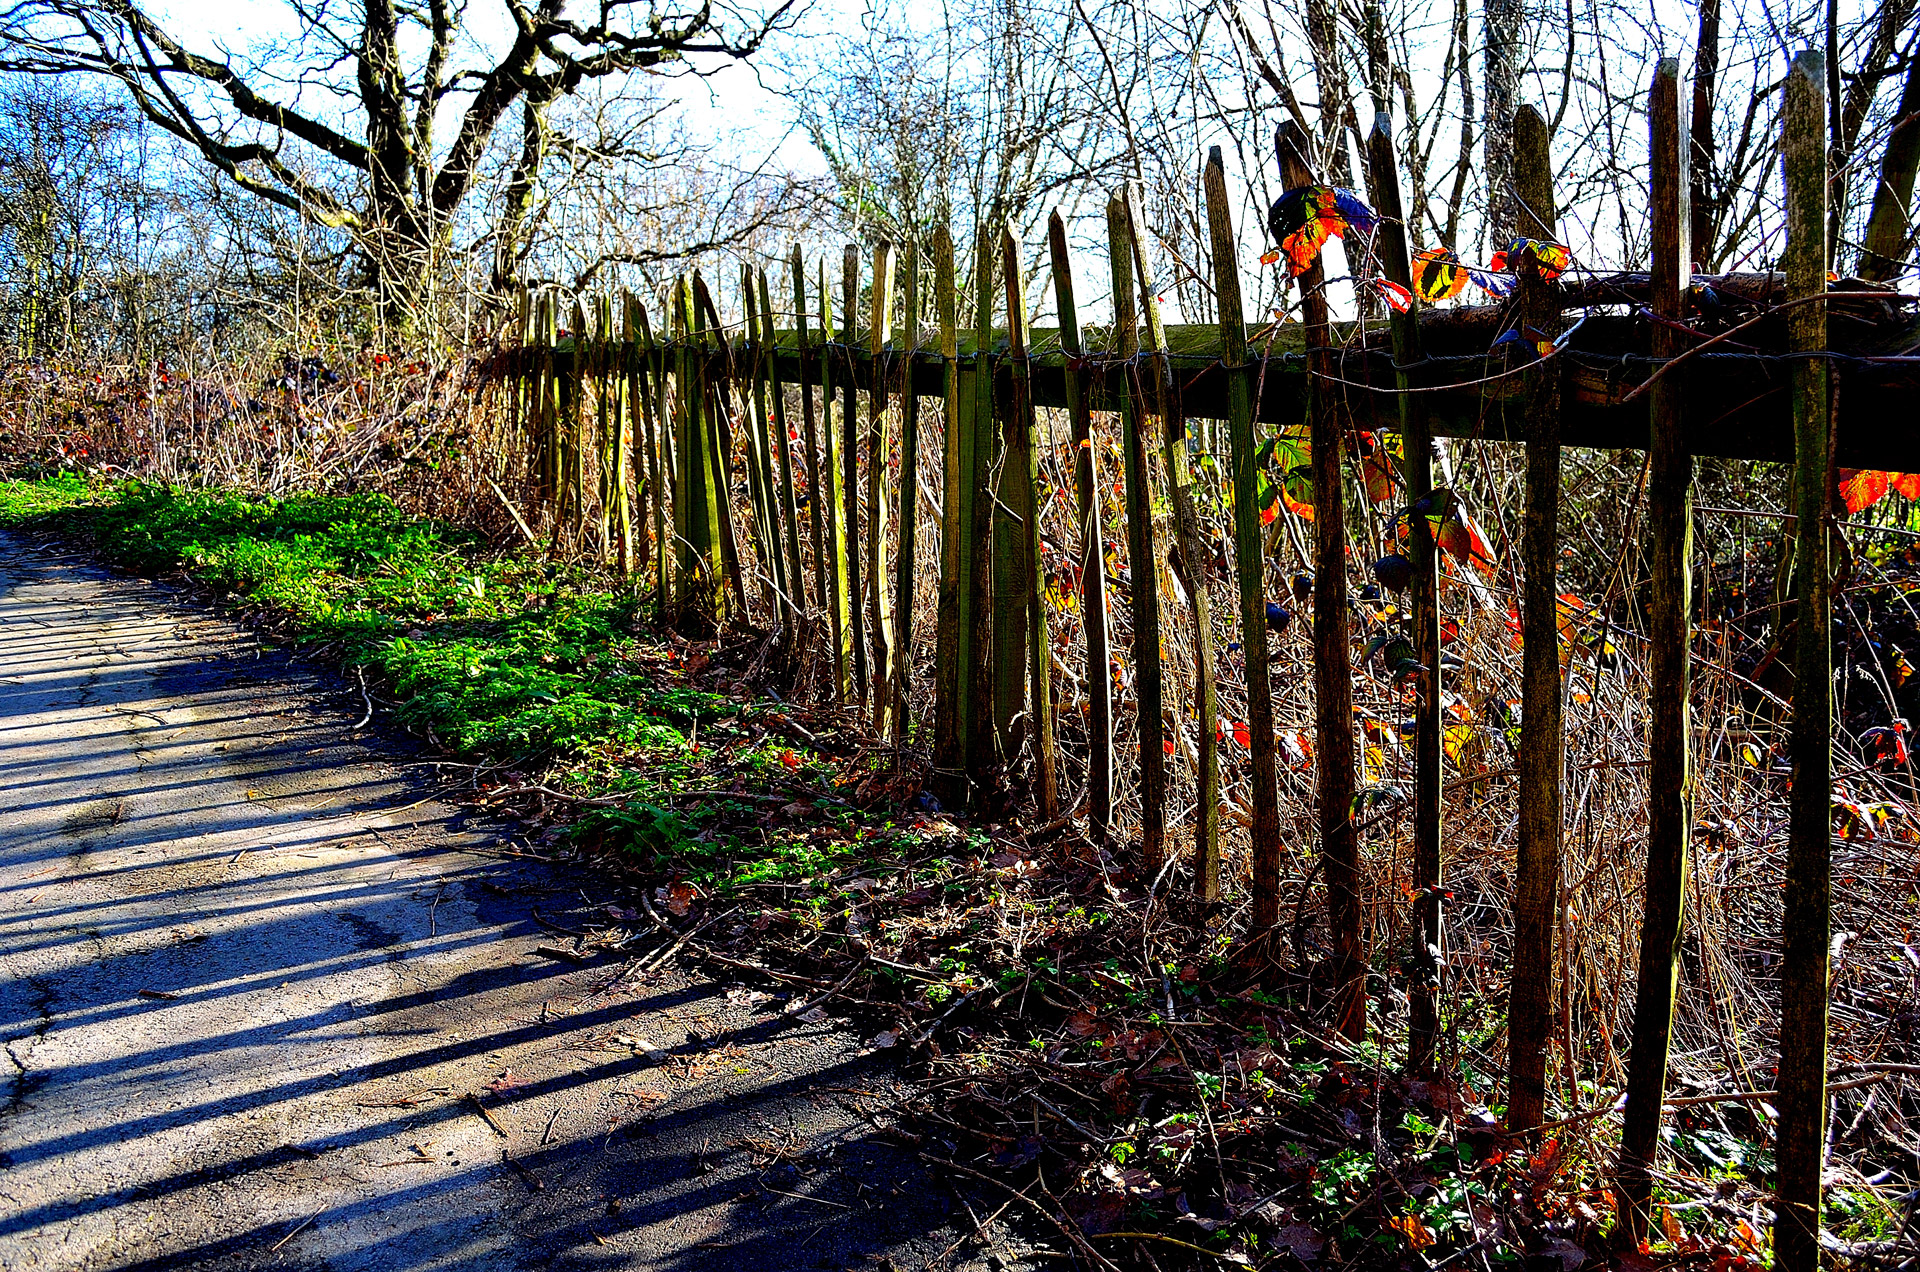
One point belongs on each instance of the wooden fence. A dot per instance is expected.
(723, 463)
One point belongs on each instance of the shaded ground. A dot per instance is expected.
(249, 978)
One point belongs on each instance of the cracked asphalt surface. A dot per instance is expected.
(255, 983)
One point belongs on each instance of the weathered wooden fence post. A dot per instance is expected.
(829, 491)
(1191, 563)
(699, 529)
(850, 470)
(719, 440)
(1093, 546)
(519, 388)
(977, 467)
(1807, 918)
(809, 433)
(1143, 561)
(953, 635)
(1332, 657)
(570, 510)
(659, 459)
(1021, 482)
(1250, 561)
(1536, 885)
(1416, 443)
(759, 358)
(541, 418)
(624, 379)
(909, 492)
(879, 331)
(1011, 631)
(1669, 721)
(783, 443)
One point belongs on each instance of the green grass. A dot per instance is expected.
(495, 656)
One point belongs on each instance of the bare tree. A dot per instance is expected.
(376, 164)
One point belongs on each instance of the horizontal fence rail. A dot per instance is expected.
(1737, 401)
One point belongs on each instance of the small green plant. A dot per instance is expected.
(1338, 1181)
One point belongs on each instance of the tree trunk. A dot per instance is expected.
(1888, 238)
(1706, 71)
(1503, 23)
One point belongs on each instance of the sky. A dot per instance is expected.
(730, 101)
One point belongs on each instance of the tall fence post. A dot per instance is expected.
(850, 470)
(1093, 548)
(830, 491)
(810, 450)
(1143, 562)
(1807, 915)
(909, 490)
(880, 329)
(1416, 444)
(630, 398)
(766, 525)
(1249, 554)
(983, 736)
(1332, 657)
(719, 442)
(573, 429)
(1023, 484)
(699, 531)
(953, 636)
(1669, 610)
(659, 461)
(1536, 885)
(1191, 563)
(1011, 631)
(783, 440)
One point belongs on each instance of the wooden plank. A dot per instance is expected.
(1806, 917)
(1022, 483)
(908, 487)
(783, 444)
(879, 328)
(1249, 551)
(761, 450)
(1536, 876)
(1416, 435)
(1334, 757)
(701, 575)
(845, 353)
(832, 494)
(716, 375)
(1093, 548)
(1737, 408)
(1190, 562)
(1143, 562)
(647, 389)
(766, 534)
(983, 740)
(810, 443)
(953, 637)
(1669, 528)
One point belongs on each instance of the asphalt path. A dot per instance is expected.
(256, 984)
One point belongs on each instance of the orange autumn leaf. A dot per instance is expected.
(1418, 1235)
(1380, 477)
(1861, 488)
